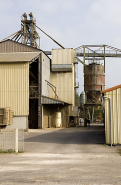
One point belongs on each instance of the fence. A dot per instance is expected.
(12, 140)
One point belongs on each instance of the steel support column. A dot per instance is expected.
(25, 29)
(104, 58)
(39, 92)
(85, 117)
(83, 57)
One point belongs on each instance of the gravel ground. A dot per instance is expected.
(63, 157)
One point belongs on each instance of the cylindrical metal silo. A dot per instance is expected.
(82, 100)
(58, 119)
(94, 81)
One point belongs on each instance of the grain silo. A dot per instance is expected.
(94, 82)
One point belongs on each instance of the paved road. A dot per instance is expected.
(63, 157)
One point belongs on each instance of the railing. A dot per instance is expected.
(52, 87)
(100, 52)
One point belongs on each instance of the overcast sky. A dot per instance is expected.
(72, 23)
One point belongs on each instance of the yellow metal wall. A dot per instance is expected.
(64, 86)
(45, 75)
(115, 96)
(63, 81)
(14, 87)
(62, 56)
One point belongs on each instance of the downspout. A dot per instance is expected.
(110, 119)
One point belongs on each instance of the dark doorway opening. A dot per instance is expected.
(33, 95)
(33, 114)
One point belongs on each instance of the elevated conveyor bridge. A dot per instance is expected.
(96, 53)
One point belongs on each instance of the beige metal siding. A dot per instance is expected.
(46, 90)
(64, 81)
(62, 56)
(64, 86)
(11, 46)
(115, 96)
(14, 87)
(19, 56)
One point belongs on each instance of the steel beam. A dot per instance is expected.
(98, 54)
(39, 92)
(81, 54)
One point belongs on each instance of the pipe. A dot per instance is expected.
(110, 119)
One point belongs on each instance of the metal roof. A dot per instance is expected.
(47, 100)
(112, 88)
(19, 56)
(9, 46)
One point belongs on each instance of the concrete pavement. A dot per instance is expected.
(63, 157)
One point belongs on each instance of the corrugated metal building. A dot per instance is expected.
(114, 94)
(62, 76)
(34, 88)
(19, 82)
